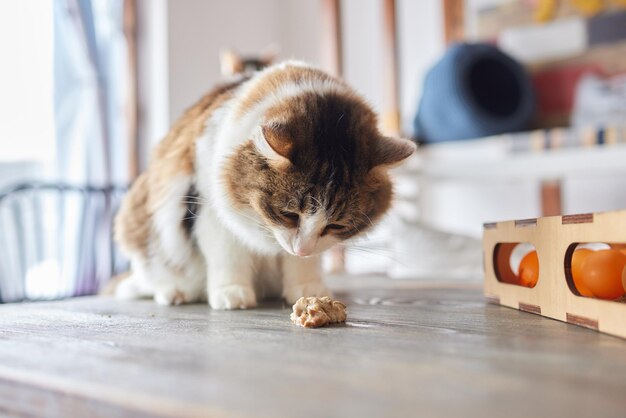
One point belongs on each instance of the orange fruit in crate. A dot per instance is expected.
(602, 273)
(621, 248)
(529, 270)
(578, 258)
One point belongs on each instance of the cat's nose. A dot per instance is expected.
(304, 247)
(302, 250)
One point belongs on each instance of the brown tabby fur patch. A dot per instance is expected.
(331, 141)
(274, 80)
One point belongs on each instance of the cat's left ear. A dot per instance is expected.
(388, 152)
(274, 144)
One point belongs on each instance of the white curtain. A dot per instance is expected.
(90, 88)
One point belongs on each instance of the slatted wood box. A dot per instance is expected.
(554, 296)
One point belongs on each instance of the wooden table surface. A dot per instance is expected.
(408, 349)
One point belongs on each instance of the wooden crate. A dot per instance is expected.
(553, 297)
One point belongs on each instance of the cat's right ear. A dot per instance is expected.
(389, 152)
(274, 145)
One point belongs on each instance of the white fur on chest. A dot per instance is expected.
(219, 141)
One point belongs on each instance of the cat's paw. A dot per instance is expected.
(131, 288)
(169, 294)
(170, 297)
(292, 293)
(233, 296)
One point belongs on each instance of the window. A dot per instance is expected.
(26, 83)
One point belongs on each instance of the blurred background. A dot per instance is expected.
(520, 106)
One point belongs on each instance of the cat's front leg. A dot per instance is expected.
(302, 276)
(230, 267)
(230, 281)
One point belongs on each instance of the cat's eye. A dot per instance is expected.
(291, 218)
(332, 227)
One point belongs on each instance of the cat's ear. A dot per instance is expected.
(230, 62)
(388, 152)
(274, 144)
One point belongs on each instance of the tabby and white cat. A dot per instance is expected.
(251, 184)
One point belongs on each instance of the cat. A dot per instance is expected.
(251, 184)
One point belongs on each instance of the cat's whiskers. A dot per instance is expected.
(364, 245)
(264, 228)
(192, 200)
(371, 224)
(267, 232)
(362, 251)
(193, 214)
(194, 197)
(353, 224)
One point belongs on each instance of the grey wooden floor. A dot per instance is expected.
(408, 349)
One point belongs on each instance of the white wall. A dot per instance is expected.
(300, 30)
(153, 77)
(421, 43)
(27, 134)
(26, 81)
(199, 29)
(362, 42)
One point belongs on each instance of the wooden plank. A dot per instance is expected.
(582, 321)
(492, 299)
(577, 219)
(391, 107)
(132, 103)
(500, 261)
(551, 198)
(332, 55)
(102, 357)
(454, 20)
(526, 222)
(528, 307)
(332, 59)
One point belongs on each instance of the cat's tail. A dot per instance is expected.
(132, 223)
(131, 229)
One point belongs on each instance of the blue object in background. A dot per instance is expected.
(475, 90)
